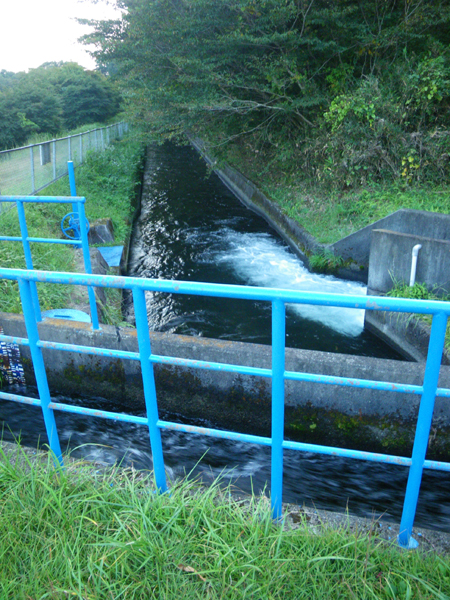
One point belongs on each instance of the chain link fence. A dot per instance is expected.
(27, 170)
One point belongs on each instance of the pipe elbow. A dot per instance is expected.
(415, 250)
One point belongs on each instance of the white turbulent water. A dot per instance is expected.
(258, 259)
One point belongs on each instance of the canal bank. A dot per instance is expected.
(373, 420)
(365, 258)
(314, 520)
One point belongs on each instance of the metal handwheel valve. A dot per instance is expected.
(70, 226)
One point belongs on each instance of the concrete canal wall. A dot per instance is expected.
(367, 419)
(377, 255)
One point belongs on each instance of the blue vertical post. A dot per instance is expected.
(87, 262)
(39, 369)
(278, 360)
(148, 378)
(28, 258)
(73, 187)
(430, 384)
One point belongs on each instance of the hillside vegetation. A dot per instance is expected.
(53, 98)
(339, 109)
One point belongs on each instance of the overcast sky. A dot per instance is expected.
(36, 31)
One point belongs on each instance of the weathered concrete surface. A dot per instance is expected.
(362, 418)
(404, 332)
(355, 249)
(415, 222)
(390, 261)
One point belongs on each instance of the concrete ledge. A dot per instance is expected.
(347, 416)
(414, 222)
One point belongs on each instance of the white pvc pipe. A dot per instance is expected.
(415, 253)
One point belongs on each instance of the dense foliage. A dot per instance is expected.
(353, 90)
(52, 98)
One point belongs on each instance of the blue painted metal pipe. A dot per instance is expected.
(87, 264)
(10, 238)
(148, 380)
(278, 351)
(39, 369)
(235, 291)
(42, 199)
(72, 184)
(103, 414)
(433, 365)
(28, 258)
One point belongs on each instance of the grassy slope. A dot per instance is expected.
(330, 213)
(88, 534)
(108, 181)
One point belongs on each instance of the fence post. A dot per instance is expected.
(81, 148)
(69, 147)
(33, 186)
(148, 379)
(278, 364)
(39, 369)
(87, 263)
(73, 187)
(54, 160)
(430, 384)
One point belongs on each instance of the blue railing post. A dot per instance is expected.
(87, 263)
(430, 384)
(148, 379)
(39, 369)
(278, 360)
(28, 258)
(72, 184)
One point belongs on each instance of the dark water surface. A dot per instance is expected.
(192, 228)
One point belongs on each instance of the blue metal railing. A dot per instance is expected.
(278, 298)
(79, 240)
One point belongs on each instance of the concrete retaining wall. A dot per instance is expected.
(390, 261)
(314, 412)
(301, 242)
(415, 222)
(408, 338)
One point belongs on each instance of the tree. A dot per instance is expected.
(278, 71)
(51, 98)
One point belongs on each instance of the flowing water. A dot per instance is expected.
(192, 228)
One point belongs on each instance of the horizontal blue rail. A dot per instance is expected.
(277, 373)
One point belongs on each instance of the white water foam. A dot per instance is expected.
(258, 259)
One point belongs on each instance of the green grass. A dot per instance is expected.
(331, 213)
(86, 534)
(325, 262)
(419, 291)
(108, 180)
